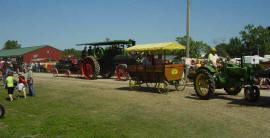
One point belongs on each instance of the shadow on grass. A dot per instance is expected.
(262, 102)
(144, 89)
(82, 78)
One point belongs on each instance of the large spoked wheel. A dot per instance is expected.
(90, 68)
(134, 84)
(162, 87)
(2, 111)
(233, 90)
(121, 73)
(204, 84)
(55, 72)
(67, 73)
(252, 94)
(180, 85)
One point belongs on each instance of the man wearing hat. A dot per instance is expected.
(213, 58)
(30, 81)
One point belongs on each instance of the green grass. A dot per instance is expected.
(73, 113)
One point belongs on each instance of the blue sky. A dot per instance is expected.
(64, 23)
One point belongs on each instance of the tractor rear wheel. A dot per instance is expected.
(90, 68)
(233, 90)
(2, 111)
(204, 84)
(252, 94)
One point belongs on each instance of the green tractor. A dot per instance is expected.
(231, 77)
(98, 58)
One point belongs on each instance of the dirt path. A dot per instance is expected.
(234, 110)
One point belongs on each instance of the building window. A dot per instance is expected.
(48, 51)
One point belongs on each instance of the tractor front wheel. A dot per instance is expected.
(233, 90)
(204, 84)
(121, 73)
(252, 94)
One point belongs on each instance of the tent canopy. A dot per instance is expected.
(157, 47)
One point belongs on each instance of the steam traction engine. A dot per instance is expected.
(97, 59)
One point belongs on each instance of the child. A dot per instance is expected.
(10, 85)
(21, 85)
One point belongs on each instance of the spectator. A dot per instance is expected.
(146, 61)
(10, 85)
(159, 60)
(4, 75)
(30, 81)
(21, 85)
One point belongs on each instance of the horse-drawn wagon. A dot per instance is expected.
(157, 75)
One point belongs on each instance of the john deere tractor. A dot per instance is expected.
(231, 77)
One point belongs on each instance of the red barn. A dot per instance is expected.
(32, 54)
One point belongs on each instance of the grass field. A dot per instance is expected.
(69, 107)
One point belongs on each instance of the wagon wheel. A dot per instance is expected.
(134, 84)
(121, 73)
(180, 85)
(162, 87)
(55, 72)
(67, 73)
(90, 68)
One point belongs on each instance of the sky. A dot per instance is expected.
(65, 23)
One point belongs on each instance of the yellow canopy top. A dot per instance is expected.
(157, 47)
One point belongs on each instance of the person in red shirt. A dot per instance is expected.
(21, 86)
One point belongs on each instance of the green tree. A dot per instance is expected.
(233, 48)
(222, 49)
(197, 48)
(256, 39)
(11, 44)
(71, 52)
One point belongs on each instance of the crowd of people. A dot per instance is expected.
(19, 83)
(150, 60)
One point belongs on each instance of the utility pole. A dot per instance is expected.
(188, 39)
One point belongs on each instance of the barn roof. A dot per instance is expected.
(19, 51)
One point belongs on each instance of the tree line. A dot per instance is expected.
(253, 40)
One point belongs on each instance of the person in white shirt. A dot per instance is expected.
(213, 58)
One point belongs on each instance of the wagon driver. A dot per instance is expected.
(213, 58)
